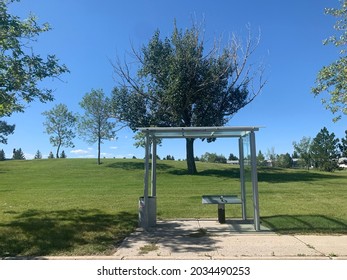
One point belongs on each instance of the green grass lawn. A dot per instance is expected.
(74, 207)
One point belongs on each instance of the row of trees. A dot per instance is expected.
(323, 151)
(95, 125)
(18, 154)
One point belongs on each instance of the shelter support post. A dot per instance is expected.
(254, 181)
(242, 179)
(144, 219)
(147, 203)
(154, 168)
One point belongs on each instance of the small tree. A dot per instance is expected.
(325, 150)
(95, 124)
(232, 157)
(213, 158)
(285, 161)
(2, 155)
(50, 156)
(343, 146)
(60, 124)
(272, 156)
(303, 150)
(63, 155)
(38, 155)
(18, 154)
(260, 158)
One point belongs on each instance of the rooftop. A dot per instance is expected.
(199, 132)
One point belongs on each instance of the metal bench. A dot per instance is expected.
(221, 200)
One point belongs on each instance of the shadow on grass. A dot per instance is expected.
(270, 175)
(292, 224)
(67, 232)
(224, 173)
(136, 165)
(278, 175)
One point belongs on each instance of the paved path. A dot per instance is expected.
(197, 239)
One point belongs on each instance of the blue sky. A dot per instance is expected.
(88, 34)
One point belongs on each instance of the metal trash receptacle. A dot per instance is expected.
(152, 212)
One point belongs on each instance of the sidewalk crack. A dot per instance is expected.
(310, 246)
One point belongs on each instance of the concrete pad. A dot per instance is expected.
(264, 246)
(207, 239)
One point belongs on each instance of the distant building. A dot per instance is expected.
(342, 162)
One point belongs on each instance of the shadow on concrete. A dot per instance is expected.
(175, 236)
(188, 236)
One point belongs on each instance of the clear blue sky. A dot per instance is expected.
(88, 34)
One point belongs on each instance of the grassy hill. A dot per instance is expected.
(74, 207)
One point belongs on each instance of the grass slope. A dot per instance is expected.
(74, 207)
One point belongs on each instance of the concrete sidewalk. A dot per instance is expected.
(207, 239)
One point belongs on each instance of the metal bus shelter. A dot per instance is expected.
(147, 203)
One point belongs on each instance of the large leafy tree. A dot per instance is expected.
(179, 83)
(324, 150)
(21, 69)
(96, 125)
(60, 123)
(331, 79)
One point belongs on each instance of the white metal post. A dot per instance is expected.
(254, 182)
(145, 194)
(242, 178)
(154, 168)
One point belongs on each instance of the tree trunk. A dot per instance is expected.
(190, 156)
(57, 155)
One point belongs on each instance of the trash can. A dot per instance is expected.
(152, 212)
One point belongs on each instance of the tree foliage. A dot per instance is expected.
(324, 150)
(5, 130)
(213, 157)
(18, 154)
(63, 154)
(343, 145)
(180, 84)
(21, 69)
(38, 155)
(303, 149)
(260, 158)
(60, 123)
(2, 155)
(332, 78)
(95, 125)
(284, 161)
